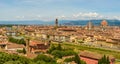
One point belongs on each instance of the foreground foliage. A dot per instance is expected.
(59, 52)
(16, 59)
(10, 58)
(43, 59)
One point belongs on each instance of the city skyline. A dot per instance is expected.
(61, 9)
(59, 32)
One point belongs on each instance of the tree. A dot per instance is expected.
(13, 62)
(44, 58)
(57, 53)
(69, 59)
(77, 59)
(41, 62)
(82, 62)
(59, 47)
(60, 54)
(52, 47)
(104, 60)
(22, 41)
(24, 50)
(4, 58)
(18, 41)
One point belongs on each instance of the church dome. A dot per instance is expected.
(104, 23)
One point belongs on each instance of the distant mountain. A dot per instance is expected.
(95, 22)
(62, 22)
(25, 22)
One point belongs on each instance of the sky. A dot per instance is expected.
(61, 9)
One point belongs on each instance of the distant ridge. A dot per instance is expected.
(95, 22)
(62, 22)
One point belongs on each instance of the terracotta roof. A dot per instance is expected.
(67, 29)
(44, 50)
(3, 43)
(14, 45)
(33, 43)
(92, 55)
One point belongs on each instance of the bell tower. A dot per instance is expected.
(56, 23)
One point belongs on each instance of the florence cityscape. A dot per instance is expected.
(59, 32)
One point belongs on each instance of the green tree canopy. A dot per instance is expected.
(42, 57)
(4, 57)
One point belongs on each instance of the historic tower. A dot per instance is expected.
(89, 25)
(27, 45)
(56, 23)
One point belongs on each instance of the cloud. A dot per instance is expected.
(38, 16)
(89, 14)
(20, 17)
(37, 1)
(61, 17)
(83, 16)
(116, 17)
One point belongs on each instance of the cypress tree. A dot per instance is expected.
(104, 60)
(24, 51)
(77, 59)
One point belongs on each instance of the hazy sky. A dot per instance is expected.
(62, 9)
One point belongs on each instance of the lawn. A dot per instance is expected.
(116, 54)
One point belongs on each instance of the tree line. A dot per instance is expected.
(17, 41)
